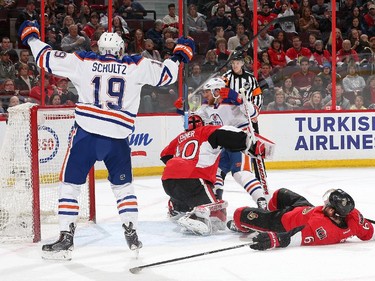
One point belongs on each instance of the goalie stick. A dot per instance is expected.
(247, 45)
(137, 269)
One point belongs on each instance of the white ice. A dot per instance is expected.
(101, 252)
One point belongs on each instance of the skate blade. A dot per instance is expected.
(57, 255)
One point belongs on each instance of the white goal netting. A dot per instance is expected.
(19, 204)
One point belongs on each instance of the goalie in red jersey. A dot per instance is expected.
(191, 162)
(292, 220)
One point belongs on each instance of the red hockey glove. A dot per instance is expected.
(269, 240)
(27, 30)
(179, 104)
(233, 96)
(184, 50)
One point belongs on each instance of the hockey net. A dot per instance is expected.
(31, 157)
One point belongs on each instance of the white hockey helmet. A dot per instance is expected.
(111, 43)
(214, 84)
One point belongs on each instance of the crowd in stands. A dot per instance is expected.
(294, 58)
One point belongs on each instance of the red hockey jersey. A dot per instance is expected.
(320, 230)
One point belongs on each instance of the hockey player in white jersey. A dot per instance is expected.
(224, 106)
(108, 87)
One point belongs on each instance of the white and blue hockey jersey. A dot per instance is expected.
(108, 88)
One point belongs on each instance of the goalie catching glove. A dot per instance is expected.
(27, 30)
(269, 240)
(233, 96)
(184, 50)
(260, 146)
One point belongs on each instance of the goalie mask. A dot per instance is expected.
(111, 43)
(214, 84)
(194, 121)
(339, 200)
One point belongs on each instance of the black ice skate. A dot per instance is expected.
(131, 237)
(232, 226)
(62, 248)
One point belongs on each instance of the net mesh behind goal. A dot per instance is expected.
(29, 185)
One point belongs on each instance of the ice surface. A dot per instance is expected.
(101, 252)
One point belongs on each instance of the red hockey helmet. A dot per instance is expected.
(194, 121)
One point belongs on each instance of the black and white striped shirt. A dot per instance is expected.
(236, 82)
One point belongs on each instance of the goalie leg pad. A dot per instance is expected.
(196, 225)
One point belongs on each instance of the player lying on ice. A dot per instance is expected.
(108, 87)
(292, 220)
(192, 159)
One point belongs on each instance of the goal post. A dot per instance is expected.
(31, 157)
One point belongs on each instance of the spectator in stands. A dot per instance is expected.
(354, 24)
(368, 92)
(221, 50)
(303, 79)
(266, 83)
(317, 85)
(210, 63)
(215, 7)
(292, 95)
(92, 25)
(320, 55)
(71, 10)
(307, 22)
(286, 10)
(234, 41)
(150, 51)
(245, 10)
(369, 20)
(304, 4)
(24, 82)
(196, 78)
(66, 96)
(266, 15)
(276, 55)
(28, 13)
(8, 4)
(318, 9)
(156, 34)
(7, 91)
(353, 82)
(219, 19)
(218, 32)
(264, 40)
(169, 45)
(240, 17)
(355, 39)
(339, 41)
(346, 8)
(68, 21)
(326, 75)
(294, 54)
(315, 102)
(36, 92)
(74, 42)
(56, 9)
(132, 10)
(84, 14)
(53, 38)
(195, 22)
(120, 25)
(24, 59)
(279, 103)
(311, 43)
(13, 101)
(171, 20)
(341, 101)
(358, 103)
(55, 99)
(7, 69)
(325, 25)
(346, 55)
(6, 46)
(280, 35)
(137, 46)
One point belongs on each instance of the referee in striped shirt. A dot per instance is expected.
(238, 78)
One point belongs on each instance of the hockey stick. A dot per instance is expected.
(258, 160)
(186, 70)
(372, 221)
(246, 46)
(137, 269)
